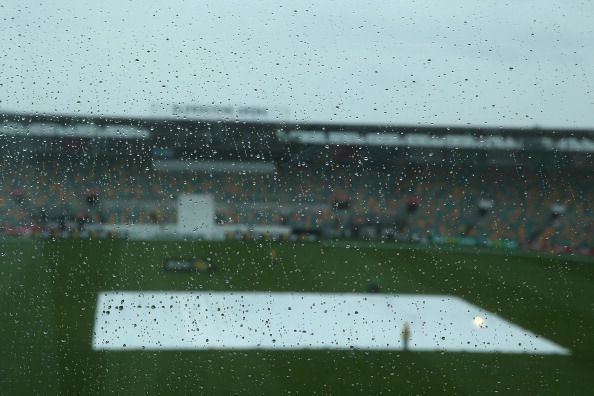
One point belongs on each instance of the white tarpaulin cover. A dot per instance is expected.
(158, 320)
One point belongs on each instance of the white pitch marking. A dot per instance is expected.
(158, 320)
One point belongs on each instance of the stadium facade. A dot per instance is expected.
(93, 177)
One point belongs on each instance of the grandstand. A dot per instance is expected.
(528, 189)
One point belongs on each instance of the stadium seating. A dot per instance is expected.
(490, 205)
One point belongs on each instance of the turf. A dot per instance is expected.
(49, 290)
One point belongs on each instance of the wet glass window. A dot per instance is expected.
(332, 197)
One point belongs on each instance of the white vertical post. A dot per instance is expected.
(196, 215)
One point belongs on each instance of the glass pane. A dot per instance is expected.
(227, 197)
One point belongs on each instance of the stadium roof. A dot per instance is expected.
(156, 122)
(39, 125)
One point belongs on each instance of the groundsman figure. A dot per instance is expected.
(405, 335)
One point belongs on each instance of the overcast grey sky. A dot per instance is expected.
(515, 63)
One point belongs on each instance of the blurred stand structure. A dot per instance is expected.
(99, 177)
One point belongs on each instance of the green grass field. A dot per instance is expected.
(49, 291)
